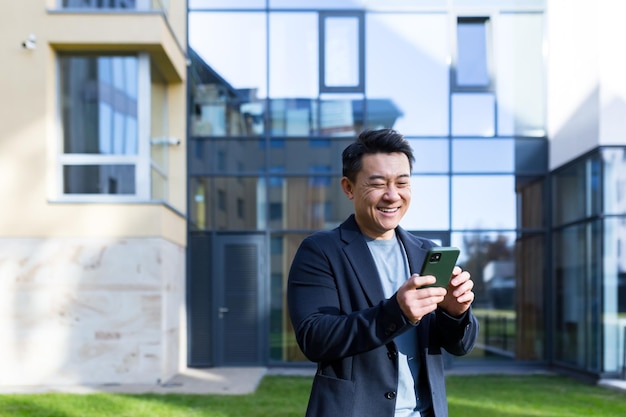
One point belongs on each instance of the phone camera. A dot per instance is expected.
(435, 257)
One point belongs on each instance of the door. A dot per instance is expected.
(239, 300)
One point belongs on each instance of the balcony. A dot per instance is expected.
(139, 26)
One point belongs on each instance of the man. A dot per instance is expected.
(359, 308)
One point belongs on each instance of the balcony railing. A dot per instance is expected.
(139, 5)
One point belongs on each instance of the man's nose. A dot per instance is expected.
(392, 193)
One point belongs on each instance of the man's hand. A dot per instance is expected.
(415, 301)
(459, 296)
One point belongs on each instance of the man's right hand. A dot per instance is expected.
(416, 300)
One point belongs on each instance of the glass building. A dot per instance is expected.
(278, 88)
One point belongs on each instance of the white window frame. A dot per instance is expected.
(141, 160)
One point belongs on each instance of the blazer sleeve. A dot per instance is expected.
(457, 335)
(330, 313)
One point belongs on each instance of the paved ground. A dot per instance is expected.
(190, 381)
(242, 380)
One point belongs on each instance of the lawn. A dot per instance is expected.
(283, 396)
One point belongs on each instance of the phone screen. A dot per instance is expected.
(440, 262)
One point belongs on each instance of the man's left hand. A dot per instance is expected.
(460, 295)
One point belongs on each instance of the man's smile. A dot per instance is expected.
(389, 210)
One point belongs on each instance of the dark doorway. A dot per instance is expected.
(239, 270)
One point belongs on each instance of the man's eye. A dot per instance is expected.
(378, 184)
(403, 184)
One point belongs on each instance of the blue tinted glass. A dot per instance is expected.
(430, 204)
(569, 194)
(614, 181)
(483, 202)
(483, 155)
(531, 156)
(99, 179)
(316, 4)
(408, 72)
(473, 114)
(226, 156)
(226, 4)
(341, 52)
(319, 181)
(100, 102)
(472, 68)
(298, 156)
(293, 40)
(245, 69)
(431, 155)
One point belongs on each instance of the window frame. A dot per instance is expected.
(488, 21)
(142, 160)
(323, 17)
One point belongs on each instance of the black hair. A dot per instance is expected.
(372, 142)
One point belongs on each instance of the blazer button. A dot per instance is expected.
(390, 329)
(392, 355)
(390, 395)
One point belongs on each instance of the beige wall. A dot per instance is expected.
(89, 292)
(29, 120)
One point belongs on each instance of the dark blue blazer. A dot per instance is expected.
(343, 322)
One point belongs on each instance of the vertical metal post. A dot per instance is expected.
(624, 355)
(486, 334)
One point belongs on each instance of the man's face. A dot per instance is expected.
(381, 193)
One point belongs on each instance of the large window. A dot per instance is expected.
(577, 263)
(473, 105)
(589, 269)
(614, 258)
(106, 111)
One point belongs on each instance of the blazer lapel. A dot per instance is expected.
(415, 250)
(358, 254)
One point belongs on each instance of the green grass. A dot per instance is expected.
(286, 396)
(530, 396)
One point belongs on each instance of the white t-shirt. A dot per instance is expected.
(393, 269)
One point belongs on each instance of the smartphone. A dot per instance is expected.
(440, 262)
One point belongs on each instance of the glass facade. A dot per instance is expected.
(273, 107)
(588, 266)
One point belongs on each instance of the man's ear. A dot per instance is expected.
(347, 187)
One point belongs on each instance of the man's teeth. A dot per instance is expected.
(385, 210)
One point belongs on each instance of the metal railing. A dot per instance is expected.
(498, 334)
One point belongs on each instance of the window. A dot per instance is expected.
(341, 52)
(473, 107)
(106, 104)
(320, 177)
(472, 53)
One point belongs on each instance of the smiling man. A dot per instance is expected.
(358, 307)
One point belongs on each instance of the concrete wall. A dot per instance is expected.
(89, 310)
(585, 83)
